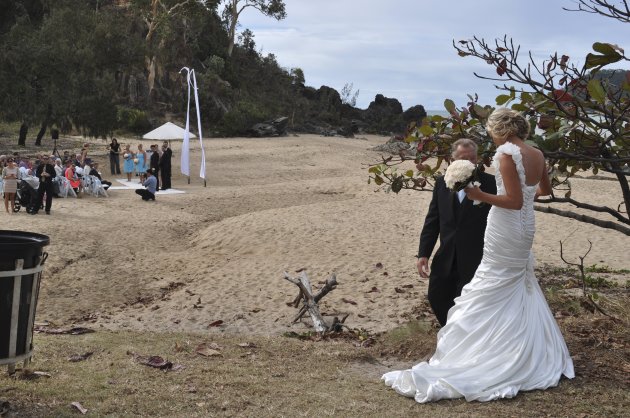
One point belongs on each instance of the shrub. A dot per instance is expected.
(134, 120)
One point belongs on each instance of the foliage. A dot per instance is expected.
(133, 120)
(347, 96)
(233, 9)
(241, 117)
(580, 118)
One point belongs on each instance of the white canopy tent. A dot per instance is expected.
(167, 132)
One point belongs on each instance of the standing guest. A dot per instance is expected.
(114, 157)
(65, 158)
(165, 166)
(10, 180)
(128, 166)
(150, 182)
(94, 172)
(141, 161)
(460, 226)
(45, 173)
(155, 163)
(84, 154)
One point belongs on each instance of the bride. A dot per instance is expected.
(500, 337)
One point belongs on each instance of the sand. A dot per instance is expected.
(218, 253)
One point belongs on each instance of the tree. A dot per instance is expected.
(62, 69)
(582, 116)
(347, 96)
(234, 8)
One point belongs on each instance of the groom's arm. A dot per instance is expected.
(431, 229)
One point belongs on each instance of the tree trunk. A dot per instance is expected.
(151, 73)
(42, 129)
(41, 133)
(23, 133)
(625, 189)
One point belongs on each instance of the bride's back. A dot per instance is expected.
(533, 163)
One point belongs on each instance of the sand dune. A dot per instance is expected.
(270, 205)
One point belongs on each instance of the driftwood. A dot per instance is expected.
(310, 301)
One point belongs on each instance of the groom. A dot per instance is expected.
(460, 225)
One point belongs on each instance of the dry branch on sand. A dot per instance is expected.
(309, 301)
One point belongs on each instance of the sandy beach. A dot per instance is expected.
(218, 253)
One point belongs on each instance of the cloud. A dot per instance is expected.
(403, 48)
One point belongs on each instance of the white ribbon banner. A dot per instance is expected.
(191, 80)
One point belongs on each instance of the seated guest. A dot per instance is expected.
(71, 175)
(94, 172)
(31, 179)
(150, 182)
(59, 168)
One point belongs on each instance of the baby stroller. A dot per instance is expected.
(26, 196)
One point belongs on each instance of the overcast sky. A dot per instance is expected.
(403, 48)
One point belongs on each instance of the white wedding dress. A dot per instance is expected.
(500, 337)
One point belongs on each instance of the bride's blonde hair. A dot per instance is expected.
(504, 123)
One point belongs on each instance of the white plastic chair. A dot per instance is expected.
(96, 187)
(65, 189)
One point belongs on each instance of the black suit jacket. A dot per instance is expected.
(460, 227)
(48, 168)
(165, 159)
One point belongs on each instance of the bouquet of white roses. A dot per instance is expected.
(461, 174)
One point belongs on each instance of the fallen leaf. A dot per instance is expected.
(301, 269)
(152, 361)
(79, 407)
(80, 357)
(399, 290)
(373, 289)
(208, 350)
(28, 374)
(379, 265)
(407, 286)
(351, 302)
(70, 331)
(215, 323)
(247, 345)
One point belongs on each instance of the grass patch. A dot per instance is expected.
(595, 268)
(301, 376)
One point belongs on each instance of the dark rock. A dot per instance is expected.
(414, 114)
(385, 106)
(276, 127)
(396, 145)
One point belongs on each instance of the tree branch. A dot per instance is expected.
(584, 218)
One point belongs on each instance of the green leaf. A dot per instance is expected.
(378, 180)
(519, 107)
(593, 60)
(426, 130)
(596, 90)
(374, 169)
(449, 105)
(397, 184)
(503, 99)
(604, 48)
(409, 173)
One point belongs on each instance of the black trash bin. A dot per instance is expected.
(21, 263)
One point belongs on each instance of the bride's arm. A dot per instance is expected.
(544, 187)
(513, 197)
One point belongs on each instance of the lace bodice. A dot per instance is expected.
(514, 151)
